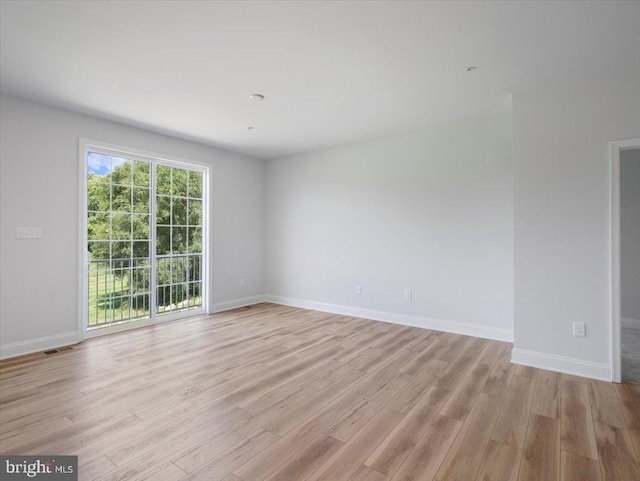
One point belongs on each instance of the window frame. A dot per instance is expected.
(87, 145)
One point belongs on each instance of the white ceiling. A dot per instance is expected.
(333, 72)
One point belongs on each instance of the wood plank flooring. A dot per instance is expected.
(277, 393)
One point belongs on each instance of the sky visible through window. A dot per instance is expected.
(100, 164)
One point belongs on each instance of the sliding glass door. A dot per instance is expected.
(145, 222)
(179, 239)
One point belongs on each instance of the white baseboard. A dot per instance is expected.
(628, 323)
(59, 340)
(37, 345)
(568, 365)
(404, 319)
(234, 304)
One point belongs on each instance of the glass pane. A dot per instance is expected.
(119, 265)
(98, 167)
(163, 298)
(122, 171)
(195, 240)
(141, 249)
(194, 268)
(179, 211)
(163, 240)
(195, 212)
(93, 279)
(163, 210)
(99, 251)
(179, 182)
(194, 293)
(120, 198)
(195, 184)
(99, 197)
(141, 173)
(98, 227)
(179, 240)
(163, 270)
(141, 200)
(141, 227)
(94, 312)
(141, 263)
(163, 180)
(121, 250)
(140, 279)
(121, 226)
(179, 296)
(179, 269)
(120, 306)
(118, 284)
(192, 301)
(140, 305)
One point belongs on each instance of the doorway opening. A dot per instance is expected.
(625, 260)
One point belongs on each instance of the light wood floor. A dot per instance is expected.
(278, 393)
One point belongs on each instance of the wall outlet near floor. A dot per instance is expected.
(358, 289)
(242, 282)
(579, 329)
(407, 295)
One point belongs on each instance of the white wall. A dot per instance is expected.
(434, 212)
(561, 211)
(430, 212)
(630, 234)
(39, 187)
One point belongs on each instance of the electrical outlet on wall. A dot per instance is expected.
(358, 289)
(242, 282)
(407, 295)
(579, 329)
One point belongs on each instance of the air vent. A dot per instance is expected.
(55, 351)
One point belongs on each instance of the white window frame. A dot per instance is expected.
(86, 145)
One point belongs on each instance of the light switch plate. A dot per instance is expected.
(29, 233)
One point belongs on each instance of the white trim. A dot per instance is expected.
(234, 304)
(614, 250)
(404, 319)
(629, 323)
(83, 275)
(135, 324)
(568, 365)
(36, 345)
(124, 326)
(207, 239)
(110, 149)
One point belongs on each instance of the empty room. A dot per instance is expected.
(359, 240)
